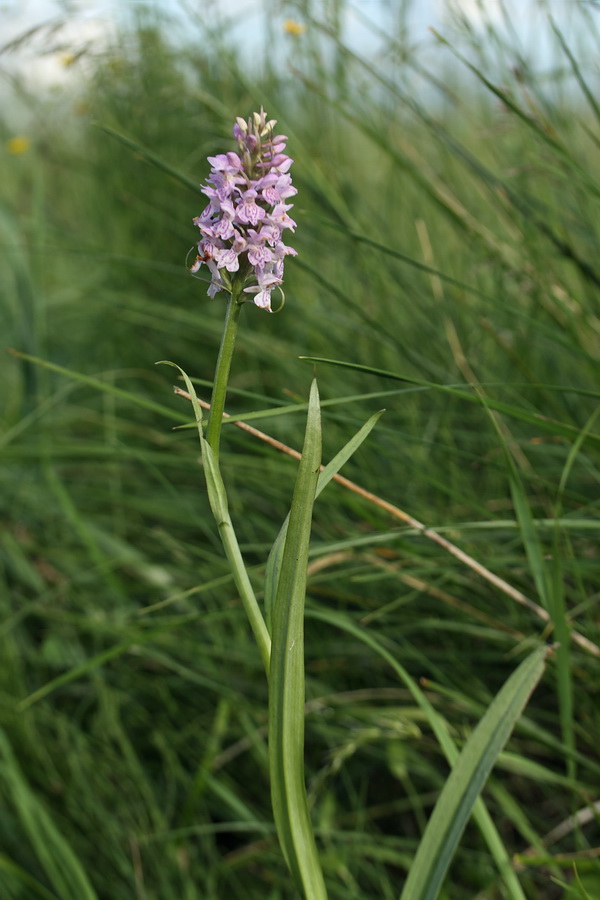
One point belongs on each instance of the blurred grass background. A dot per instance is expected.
(448, 233)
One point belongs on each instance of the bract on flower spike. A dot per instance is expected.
(242, 226)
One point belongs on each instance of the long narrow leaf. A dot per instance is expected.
(105, 386)
(286, 682)
(343, 455)
(550, 587)
(217, 497)
(332, 468)
(537, 419)
(455, 803)
(16, 874)
(62, 867)
(149, 156)
(440, 729)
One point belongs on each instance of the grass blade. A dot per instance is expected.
(18, 875)
(440, 729)
(467, 779)
(515, 412)
(152, 158)
(62, 867)
(76, 672)
(589, 95)
(107, 387)
(542, 131)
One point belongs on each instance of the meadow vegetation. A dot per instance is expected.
(448, 253)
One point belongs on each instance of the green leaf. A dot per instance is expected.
(540, 421)
(286, 682)
(77, 671)
(439, 726)
(468, 776)
(105, 386)
(329, 471)
(19, 875)
(217, 497)
(273, 571)
(149, 156)
(343, 455)
(54, 854)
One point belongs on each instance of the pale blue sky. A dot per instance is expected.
(90, 22)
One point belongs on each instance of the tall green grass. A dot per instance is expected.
(448, 247)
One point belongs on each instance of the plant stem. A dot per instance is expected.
(216, 489)
(213, 431)
(246, 591)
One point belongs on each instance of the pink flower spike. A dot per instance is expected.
(241, 228)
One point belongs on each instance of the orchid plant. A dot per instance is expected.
(242, 246)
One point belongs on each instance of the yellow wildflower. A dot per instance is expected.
(292, 27)
(67, 59)
(18, 145)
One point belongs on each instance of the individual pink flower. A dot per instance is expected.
(248, 212)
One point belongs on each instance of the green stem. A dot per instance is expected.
(213, 431)
(216, 488)
(246, 591)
